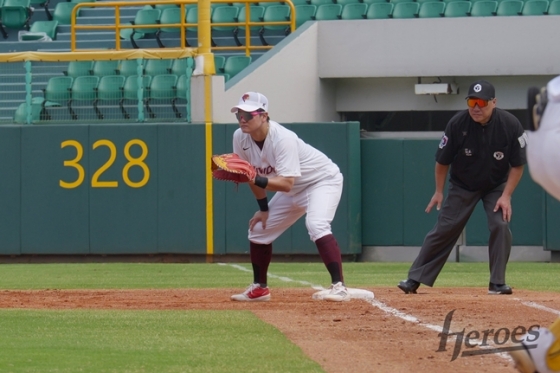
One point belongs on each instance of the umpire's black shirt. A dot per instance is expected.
(481, 155)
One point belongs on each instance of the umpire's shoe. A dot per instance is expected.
(409, 286)
(499, 289)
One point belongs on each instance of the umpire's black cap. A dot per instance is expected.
(482, 89)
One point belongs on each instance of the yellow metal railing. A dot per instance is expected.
(204, 18)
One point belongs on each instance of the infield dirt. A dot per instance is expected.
(355, 336)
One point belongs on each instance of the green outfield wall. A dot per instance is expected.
(398, 182)
(141, 189)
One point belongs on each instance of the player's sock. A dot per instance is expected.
(261, 255)
(330, 253)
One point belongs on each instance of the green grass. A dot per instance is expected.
(533, 276)
(188, 341)
(144, 341)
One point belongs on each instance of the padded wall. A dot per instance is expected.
(552, 216)
(10, 190)
(141, 189)
(398, 183)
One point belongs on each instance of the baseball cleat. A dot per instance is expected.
(409, 286)
(253, 293)
(499, 289)
(337, 293)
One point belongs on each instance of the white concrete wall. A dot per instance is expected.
(372, 65)
(288, 76)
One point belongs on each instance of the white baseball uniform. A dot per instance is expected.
(316, 190)
(543, 148)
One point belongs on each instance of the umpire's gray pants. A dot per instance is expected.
(453, 216)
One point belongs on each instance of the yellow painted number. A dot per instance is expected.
(95, 183)
(136, 162)
(73, 163)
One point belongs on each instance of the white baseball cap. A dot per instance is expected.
(251, 101)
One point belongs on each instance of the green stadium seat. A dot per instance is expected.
(170, 15)
(143, 17)
(16, 14)
(56, 92)
(508, 8)
(181, 94)
(485, 8)
(234, 64)
(305, 13)
(83, 1)
(63, 13)
(179, 66)
(192, 18)
(401, 1)
(344, 2)
(275, 13)
(554, 8)
(157, 67)
(425, 1)
(374, 1)
(219, 63)
(321, 2)
(298, 2)
(354, 11)
(110, 88)
(257, 13)
(379, 10)
(457, 9)
(103, 68)
(223, 14)
(20, 115)
(406, 10)
(44, 4)
(182, 87)
(130, 91)
(534, 8)
(431, 9)
(162, 87)
(129, 67)
(39, 29)
(83, 89)
(79, 68)
(328, 12)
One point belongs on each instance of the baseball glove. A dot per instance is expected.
(229, 167)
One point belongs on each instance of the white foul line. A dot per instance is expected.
(538, 306)
(394, 312)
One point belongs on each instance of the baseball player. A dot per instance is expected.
(543, 154)
(543, 149)
(306, 182)
(484, 148)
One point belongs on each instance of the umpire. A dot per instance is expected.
(485, 148)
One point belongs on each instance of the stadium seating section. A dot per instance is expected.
(44, 25)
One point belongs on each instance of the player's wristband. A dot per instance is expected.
(263, 204)
(261, 181)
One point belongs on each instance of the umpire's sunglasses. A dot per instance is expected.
(471, 102)
(247, 116)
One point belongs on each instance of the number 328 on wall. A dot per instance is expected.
(95, 182)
